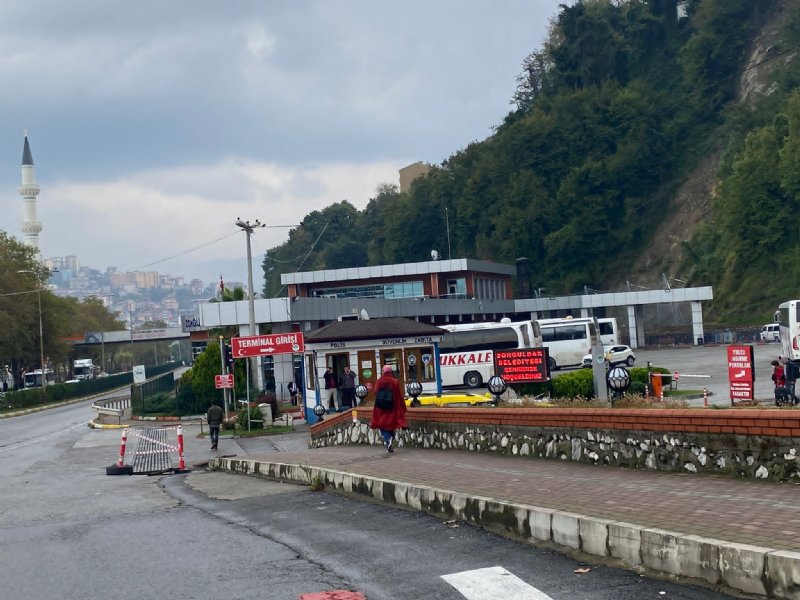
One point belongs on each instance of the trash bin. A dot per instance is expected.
(266, 414)
(699, 341)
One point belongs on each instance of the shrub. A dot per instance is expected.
(255, 417)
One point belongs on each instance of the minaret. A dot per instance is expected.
(31, 227)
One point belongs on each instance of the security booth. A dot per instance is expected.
(411, 348)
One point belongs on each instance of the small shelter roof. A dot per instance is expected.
(367, 329)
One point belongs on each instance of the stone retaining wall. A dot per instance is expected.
(761, 444)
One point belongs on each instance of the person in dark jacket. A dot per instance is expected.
(331, 383)
(389, 420)
(348, 388)
(214, 418)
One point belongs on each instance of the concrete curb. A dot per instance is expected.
(719, 564)
(96, 425)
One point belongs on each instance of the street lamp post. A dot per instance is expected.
(249, 228)
(41, 334)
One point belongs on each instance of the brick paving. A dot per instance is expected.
(760, 513)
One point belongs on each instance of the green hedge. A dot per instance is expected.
(28, 398)
(579, 384)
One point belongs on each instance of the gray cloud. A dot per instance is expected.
(154, 93)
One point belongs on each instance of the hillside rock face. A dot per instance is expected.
(691, 203)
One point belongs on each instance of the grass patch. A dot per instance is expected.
(261, 432)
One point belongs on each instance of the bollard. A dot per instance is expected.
(121, 460)
(355, 417)
(181, 463)
(705, 397)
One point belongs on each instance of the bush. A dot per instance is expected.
(255, 417)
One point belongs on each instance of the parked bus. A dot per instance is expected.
(788, 319)
(33, 379)
(569, 339)
(466, 352)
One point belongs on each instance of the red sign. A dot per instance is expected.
(741, 374)
(521, 366)
(223, 381)
(676, 376)
(267, 345)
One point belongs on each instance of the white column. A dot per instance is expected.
(697, 322)
(632, 330)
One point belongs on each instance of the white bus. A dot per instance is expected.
(466, 352)
(569, 339)
(33, 379)
(788, 318)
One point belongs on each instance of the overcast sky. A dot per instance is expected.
(154, 125)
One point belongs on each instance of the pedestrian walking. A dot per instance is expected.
(389, 413)
(294, 392)
(331, 383)
(779, 379)
(214, 418)
(348, 388)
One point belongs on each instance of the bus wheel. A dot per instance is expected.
(552, 363)
(473, 379)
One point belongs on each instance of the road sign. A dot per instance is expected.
(741, 373)
(267, 345)
(676, 376)
(223, 381)
(138, 374)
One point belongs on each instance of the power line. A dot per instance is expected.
(185, 252)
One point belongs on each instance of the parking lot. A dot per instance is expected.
(711, 360)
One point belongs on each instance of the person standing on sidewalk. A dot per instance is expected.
(348, 388)
(214, 418)
(331, 384)
(389, 419)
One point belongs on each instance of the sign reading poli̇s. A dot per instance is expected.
(741, 373)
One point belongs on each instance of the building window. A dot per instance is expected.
(456, 288)
(406, 289)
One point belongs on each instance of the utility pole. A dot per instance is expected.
(249, 228)
(222, 371)
(41, 332)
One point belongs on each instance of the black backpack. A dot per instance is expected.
(384, 399)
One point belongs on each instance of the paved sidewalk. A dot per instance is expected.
(738, 534)
(747, 512)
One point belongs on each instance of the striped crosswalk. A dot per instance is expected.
(493, 583)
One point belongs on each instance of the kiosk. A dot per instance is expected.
(366, 345)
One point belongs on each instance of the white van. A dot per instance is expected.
(770, 333)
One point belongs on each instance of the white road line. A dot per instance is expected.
(493, 583)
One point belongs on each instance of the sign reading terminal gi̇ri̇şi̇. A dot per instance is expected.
(267, 345)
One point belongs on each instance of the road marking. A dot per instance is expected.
(493, 583)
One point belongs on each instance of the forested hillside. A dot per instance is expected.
(612, 117)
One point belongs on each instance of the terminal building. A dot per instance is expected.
(434, 292)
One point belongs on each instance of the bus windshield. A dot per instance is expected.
(34, 378)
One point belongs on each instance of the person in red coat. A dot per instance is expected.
(389, 420)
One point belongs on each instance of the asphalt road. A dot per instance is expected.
(69, 531)
(713, 361)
